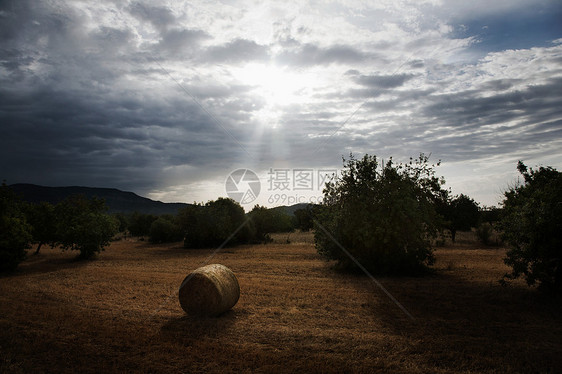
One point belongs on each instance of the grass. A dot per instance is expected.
(120, 313)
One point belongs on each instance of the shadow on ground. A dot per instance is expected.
(187, 330)
(463, 324)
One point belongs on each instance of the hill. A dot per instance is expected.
(290, 210)
(116, 200)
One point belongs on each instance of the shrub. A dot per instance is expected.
(532, 226)
(384, 217)
(484, 233)
(15, 232)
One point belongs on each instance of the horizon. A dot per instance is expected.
(191, 101)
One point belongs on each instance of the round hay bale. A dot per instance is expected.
(209, 291)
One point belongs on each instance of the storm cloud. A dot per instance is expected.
(167, 100)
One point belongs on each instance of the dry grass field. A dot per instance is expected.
(120, 313)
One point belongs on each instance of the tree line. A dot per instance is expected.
(381, 216)
(84, 225)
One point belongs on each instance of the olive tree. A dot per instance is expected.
(532, 225)
(84, 225)
(383, 214)
(15, 232)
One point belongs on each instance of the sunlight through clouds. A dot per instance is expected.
(176, 95)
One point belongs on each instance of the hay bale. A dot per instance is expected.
(209, 291)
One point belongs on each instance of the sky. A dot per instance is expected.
(260, 100)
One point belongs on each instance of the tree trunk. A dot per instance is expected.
(38, 248)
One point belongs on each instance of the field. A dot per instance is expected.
(120, 313)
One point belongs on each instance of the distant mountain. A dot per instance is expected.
(116, 200)
(290, 210)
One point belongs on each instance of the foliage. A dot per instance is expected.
(267, 221)
(84, 225)
(532, 225)
(461, 214)
(222, 221)
(484, 233)
(15, 232)
(382, 214)
(41, 216)
(124, 221)
(305, 218)
(139, 223)
(490, 214)
(165, 230)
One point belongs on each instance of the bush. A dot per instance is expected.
(15, 232)
(267, 221)
(218, 222)
(385, 217)
(139, 223)
(532, 226)
(83, 225)
(165, 230)
(484, 233)
(124, 221)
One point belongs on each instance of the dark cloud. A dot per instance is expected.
(159, 17)
(311, 54)
(180, 43)
(235, 51)
(383, 81)
(144, 97)
(500, 84)
(469, 109)
(51, 137)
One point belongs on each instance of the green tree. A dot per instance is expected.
(124, 221)
(461, 214)
(382, 214)
(210, 225)
(15, 232)
(305, 218)
(139, 223)
(532, 226)
(41, 216)
(84, 225)
(165, 230)
(267, 221)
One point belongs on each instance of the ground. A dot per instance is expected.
(120, 313)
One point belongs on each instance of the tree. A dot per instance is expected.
(532, 225)
(267, 221)
(305, 218)
(139, 223)
(461, 214)
(84, 225)
(165, 230)
(214, 223)
(41, 216)
(15, 232)
(382, 214)
(124, 221)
